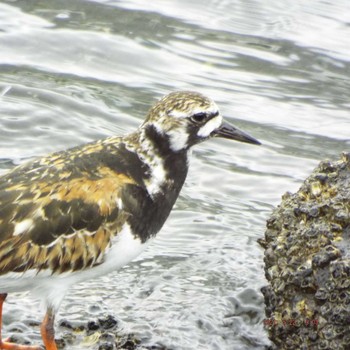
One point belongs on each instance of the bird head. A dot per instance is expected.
(186, 118)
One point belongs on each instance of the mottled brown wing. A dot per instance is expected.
(59, 212)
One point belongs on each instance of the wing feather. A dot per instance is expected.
(60, 212)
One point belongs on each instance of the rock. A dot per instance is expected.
(102, 334)
(307, 263)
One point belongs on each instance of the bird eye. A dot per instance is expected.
(198, 117)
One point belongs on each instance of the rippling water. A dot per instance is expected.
(75, 71)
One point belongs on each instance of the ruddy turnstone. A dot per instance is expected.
(87, 211)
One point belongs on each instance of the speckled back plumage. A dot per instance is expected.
(59, 212)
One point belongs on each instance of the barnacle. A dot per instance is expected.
(307, 261)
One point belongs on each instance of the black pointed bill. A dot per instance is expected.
(228, 131)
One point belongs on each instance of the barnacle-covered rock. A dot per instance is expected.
(307, 263)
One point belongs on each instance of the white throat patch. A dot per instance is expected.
(178, 140)
(210, 126)
(156, 164)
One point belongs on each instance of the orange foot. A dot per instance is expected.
(5, 345)
(47, 332)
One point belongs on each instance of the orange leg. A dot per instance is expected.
(46, 332)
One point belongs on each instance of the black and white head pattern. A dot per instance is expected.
(185, 117)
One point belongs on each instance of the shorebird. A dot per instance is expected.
(87, 211)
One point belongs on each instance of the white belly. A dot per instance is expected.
(52, 288)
